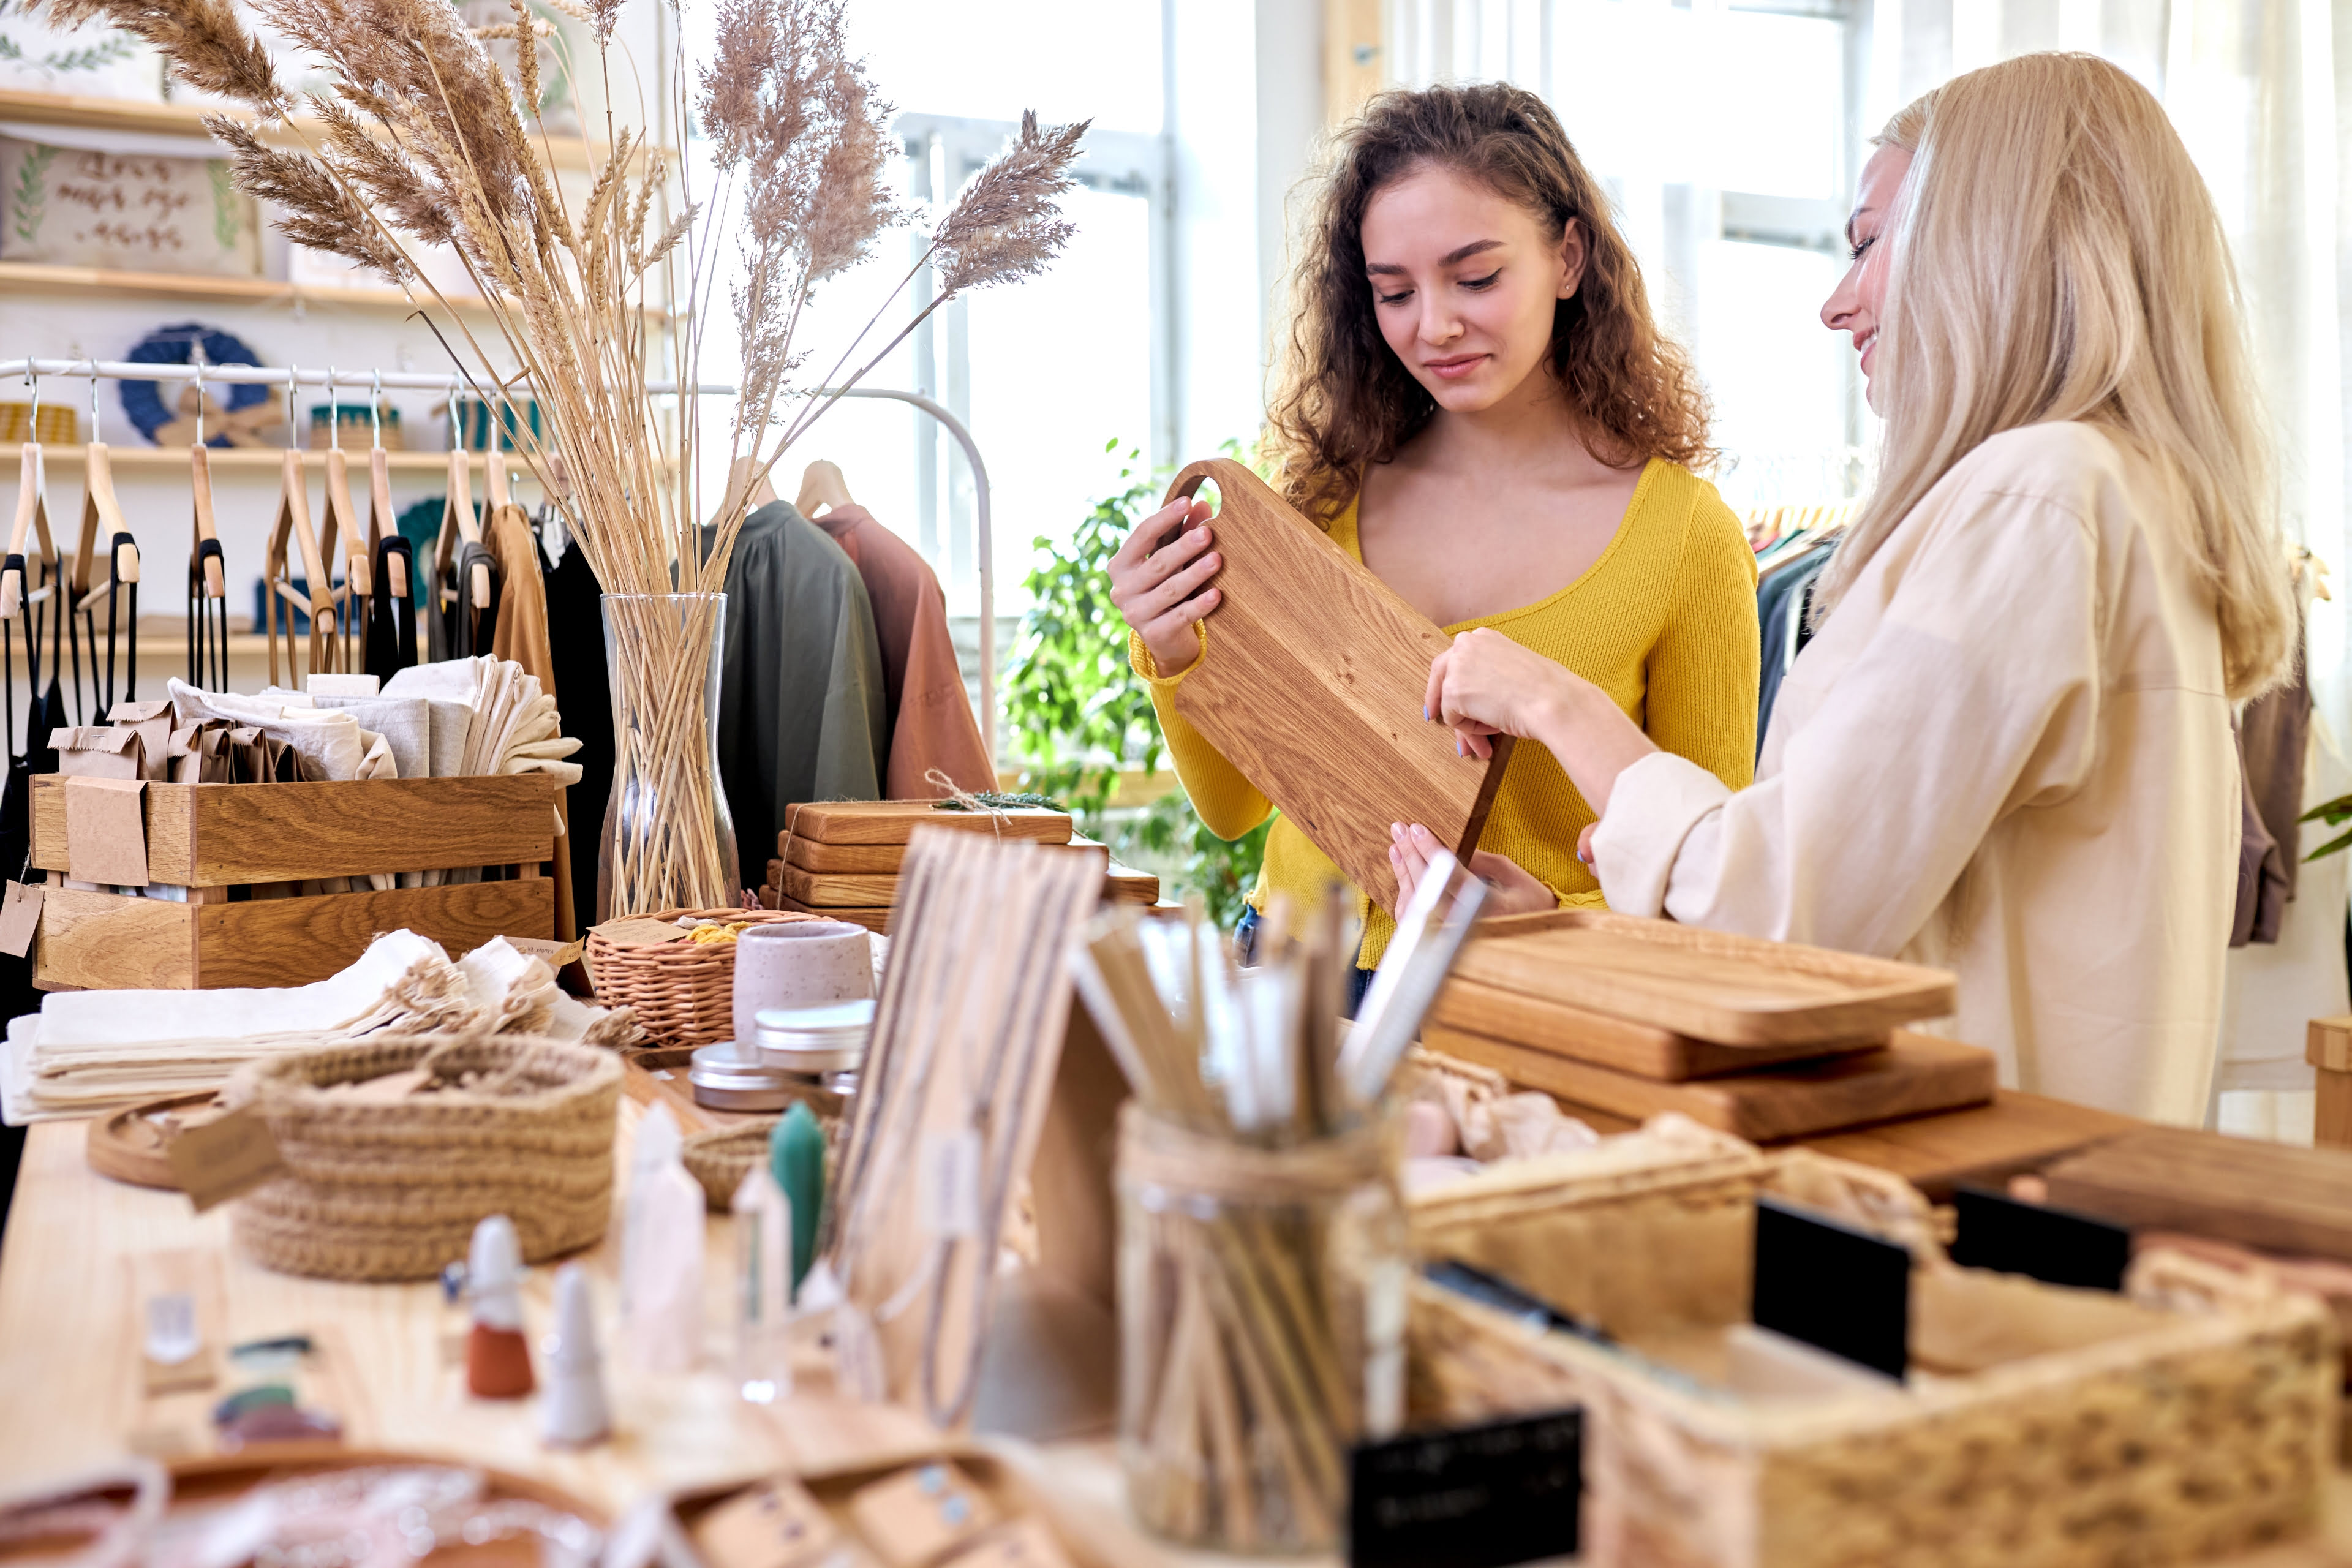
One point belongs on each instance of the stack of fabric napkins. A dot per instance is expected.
(89, 1053)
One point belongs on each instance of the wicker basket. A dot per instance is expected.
(2042, 1427)
(683, 992)
(721, 1157)
(392, 1191)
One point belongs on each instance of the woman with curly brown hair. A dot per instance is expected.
(1475, 402)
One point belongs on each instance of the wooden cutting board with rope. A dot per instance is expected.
(1312, 687)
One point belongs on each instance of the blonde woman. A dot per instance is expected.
(2006, 750)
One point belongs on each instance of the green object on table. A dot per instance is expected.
(797, 1157)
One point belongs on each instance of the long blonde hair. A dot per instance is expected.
(2055, 255)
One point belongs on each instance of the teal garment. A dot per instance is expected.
(803, 713)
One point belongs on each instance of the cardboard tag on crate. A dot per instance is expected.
(217, 1161)
(20, 917)
(106, 828)
(1468, 1497)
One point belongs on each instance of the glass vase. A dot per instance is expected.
(669, 839)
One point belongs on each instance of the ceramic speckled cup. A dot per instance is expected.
(799, 964)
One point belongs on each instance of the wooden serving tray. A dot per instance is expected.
(1710, 985)
(130, 1147)
(1465, 1007)
(1913, 1076)
(895, 821)
(1314, 685)
(1984, 1144)
(2266, 1195)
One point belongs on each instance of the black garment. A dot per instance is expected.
(803, 713)
(458, 628)
(392, 623)
(575, 645)
(17, 996)
(1788, 591)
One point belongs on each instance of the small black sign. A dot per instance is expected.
(1468, 1497)
(2057, 1247)
(1836, 1288)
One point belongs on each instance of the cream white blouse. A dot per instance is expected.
(2007, 753)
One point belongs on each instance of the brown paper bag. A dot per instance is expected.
(200, 753)
(96, 752)
(153, 720)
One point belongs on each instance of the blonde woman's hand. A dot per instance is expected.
(1161, 582)
(1486, 685)
(1514, 890)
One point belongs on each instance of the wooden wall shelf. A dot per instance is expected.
(103, 282)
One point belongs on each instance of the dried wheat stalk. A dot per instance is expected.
(420, 143)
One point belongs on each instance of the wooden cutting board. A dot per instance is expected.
(833, 889)
(1314, 684)
(895, 821)
(2266, 1195)
(873, 920)
(1125, 885)
(880, 860)
(1465, 1007)
(1710, 985)
(1913, 1075)
(1985, 1143)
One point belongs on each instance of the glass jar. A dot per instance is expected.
(1262, 1318)
(668, 838)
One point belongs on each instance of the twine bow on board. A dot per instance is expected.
(965, 800)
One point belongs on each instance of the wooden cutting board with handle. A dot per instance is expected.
(1313, 687)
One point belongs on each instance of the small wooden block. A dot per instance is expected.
(1465, 1007)
(776, 1524)
(1024, 1543)
(1314, 686)
(919, 1516)
(1914, 1075)
(895, 821)
(2327, 1043)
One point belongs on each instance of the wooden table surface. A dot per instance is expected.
(70, 1394)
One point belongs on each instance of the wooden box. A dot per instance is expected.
(2191, 1416)
(267, 839)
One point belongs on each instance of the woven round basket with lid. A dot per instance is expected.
(682, 992)
(391, 1188)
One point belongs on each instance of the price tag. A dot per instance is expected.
(217, 1161)
(951, 1184)
(20, 917)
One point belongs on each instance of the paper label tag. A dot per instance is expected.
(217, 1161)
(20, 917)
(951, 1184)
(556, 953)
(106, 832)
(639, 931)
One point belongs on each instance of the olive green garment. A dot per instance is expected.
(802, 711)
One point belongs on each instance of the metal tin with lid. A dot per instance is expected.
(814, 1042)
(729, 1076)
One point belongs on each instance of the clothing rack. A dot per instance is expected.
(333, 379)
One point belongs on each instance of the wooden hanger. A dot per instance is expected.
(32, 525)
(293, 525)
(822, 485)
(494, 477)
(100, 514)
(458, 526)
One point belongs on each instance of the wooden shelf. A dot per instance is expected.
(571, 153)
(254, 459)
(20, 276)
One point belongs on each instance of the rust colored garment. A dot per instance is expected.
(932, 722)
(520, 634)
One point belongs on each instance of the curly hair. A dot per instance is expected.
(1343, 400)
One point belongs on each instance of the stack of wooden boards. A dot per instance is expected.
(1766, 1040)
(841, 858)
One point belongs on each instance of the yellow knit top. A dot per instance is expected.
(1664, 621)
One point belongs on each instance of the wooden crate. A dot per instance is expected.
(2040, 1426)
(214, 839)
